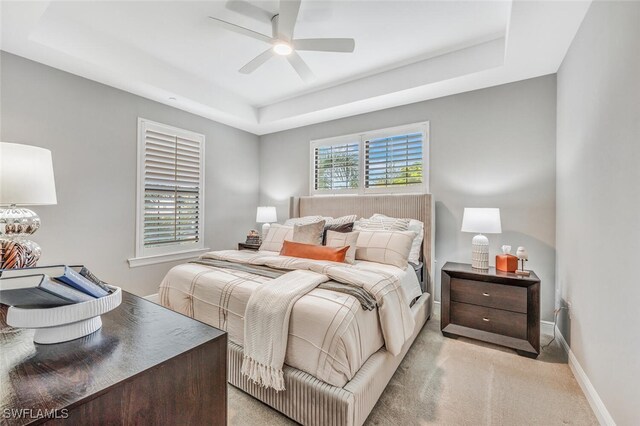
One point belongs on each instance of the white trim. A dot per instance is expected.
(546, 327)
(154, 298)
(158, 252)
(361, 138)
(598, 407)
(135, 262)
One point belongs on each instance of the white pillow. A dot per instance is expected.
(343, 239)
(388, 247)
(381, 223)
(341, 220)
(274, 239)
(417, 227)
(305, 220)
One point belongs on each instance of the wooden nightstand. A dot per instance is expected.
(251, 247)
(494, 306)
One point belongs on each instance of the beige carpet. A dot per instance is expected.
(444, 381)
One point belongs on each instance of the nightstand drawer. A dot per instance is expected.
(510, 298)
(488, 319)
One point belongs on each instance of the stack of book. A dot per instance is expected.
(253, 240)
(49, 286)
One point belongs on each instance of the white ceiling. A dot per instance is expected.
(406, 51)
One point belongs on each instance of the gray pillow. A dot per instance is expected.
(311, 233)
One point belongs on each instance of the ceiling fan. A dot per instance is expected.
(282, 41)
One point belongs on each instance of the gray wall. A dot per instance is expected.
(91, 130)
(489, 148)
(598, 200)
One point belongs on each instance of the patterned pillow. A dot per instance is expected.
(275, 237)
(302, 220)
(389, 247)
(311, 233)
(341, 220)
(382, 223)
(343, 239)
(415, 226)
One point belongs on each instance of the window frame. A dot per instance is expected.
(170, 252)
(361, 138)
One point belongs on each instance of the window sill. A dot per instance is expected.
(162, 258)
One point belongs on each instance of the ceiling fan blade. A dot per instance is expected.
(287, 18)
(257, 61)
(247, 9)
(325, 44)
(301, 67)
(241, 30)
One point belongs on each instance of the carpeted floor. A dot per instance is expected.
(444, 381)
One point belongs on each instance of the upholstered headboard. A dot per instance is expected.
(410, 206)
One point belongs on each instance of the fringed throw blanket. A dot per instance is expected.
(269, 307)
(266, 325)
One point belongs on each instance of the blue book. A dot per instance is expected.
(62, 273)
(38, 291)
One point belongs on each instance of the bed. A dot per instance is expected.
(336, 363)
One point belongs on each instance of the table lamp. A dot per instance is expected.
(266, 215)
(26, 179)
(481, 221)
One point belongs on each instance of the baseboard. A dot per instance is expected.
(546, 327)
(155, 298)
(598, 407)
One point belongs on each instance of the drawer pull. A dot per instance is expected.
(486, 294)
(485, 319)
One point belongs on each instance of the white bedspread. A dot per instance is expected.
(330, 335)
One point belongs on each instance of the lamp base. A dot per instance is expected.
(265, 230)
(480, 253)
(18, 252)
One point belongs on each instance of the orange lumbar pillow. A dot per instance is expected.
(310, 251)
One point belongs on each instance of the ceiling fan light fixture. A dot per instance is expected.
(282, 48)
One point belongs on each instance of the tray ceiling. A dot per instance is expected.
(169, 51)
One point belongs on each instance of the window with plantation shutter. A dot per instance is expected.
(387, 160)
(394, 160)
(170, 190)
(336, 166)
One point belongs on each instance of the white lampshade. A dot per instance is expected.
(481, 221)
(266, 215)
(26, 175)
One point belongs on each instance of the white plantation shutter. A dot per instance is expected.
(171, 200)
(394, 161)
(388, 160)
(336, 166)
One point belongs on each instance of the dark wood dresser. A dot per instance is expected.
(147, 365)
(494, 306)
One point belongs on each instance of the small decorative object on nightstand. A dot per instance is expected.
(26, 179)
(497, 307)
(266, 215)
(253, 238)
(506, 262)
(523, 256)
(481, 221)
